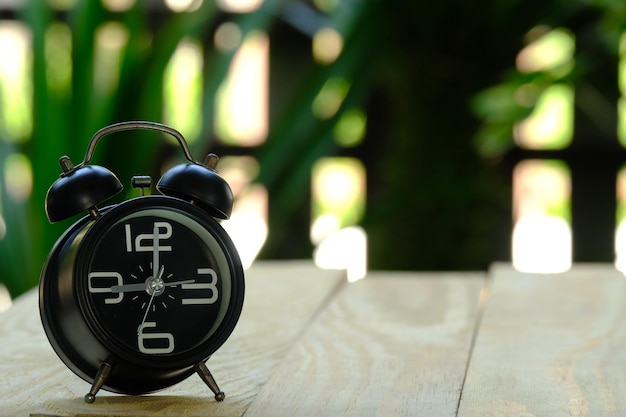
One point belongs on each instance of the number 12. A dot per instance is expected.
(165, 232)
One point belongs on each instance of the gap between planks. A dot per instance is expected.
(391, 344)
(483, 299)
(550, 345)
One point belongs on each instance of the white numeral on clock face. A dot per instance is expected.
(211, 285)
(96, 277)
(165, 342)
(143, 241)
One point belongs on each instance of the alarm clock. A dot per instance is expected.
(135, 297)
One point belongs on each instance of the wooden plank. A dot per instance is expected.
(392, 344)
(281, 300)
(550, 345)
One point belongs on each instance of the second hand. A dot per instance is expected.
(140, 328)
(153, 290)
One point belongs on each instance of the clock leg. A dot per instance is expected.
(98, 382)
(208, 379)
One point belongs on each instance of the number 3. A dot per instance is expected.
(211, 285)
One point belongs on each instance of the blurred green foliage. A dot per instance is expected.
(66, 116)
(444, 114)
(436, 81)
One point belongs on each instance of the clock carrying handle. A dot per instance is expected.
(132, 125)
(195, 182)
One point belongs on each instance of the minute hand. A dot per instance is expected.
(143, 286)
(155, 251)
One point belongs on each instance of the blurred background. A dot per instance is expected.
(361, 134)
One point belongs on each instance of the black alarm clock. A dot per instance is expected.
(135, 297)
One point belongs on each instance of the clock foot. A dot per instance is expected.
(98, 382)
(208, 379)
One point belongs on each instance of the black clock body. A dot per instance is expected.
(103, 300)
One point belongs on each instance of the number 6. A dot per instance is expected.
(168, 337)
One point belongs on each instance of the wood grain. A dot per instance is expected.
(281, 300)
(389, 345)
(550, 345)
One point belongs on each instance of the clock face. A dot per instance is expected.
(158, 283)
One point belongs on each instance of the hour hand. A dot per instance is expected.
(141, 286)
(129, 287)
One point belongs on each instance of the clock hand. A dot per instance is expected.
(142, 286)
(155, 251)
(129, 287)
(154, 285)
(175, 283)
(140, 328)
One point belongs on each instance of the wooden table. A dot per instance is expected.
(308, 343)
